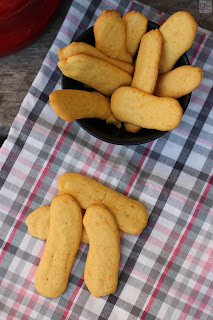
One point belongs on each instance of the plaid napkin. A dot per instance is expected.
(167, 271)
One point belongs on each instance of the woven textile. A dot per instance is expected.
(167, 271)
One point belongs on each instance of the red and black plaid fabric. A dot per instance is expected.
(167, 271)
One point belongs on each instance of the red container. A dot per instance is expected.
(22, 20)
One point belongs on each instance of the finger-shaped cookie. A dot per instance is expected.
(178, 33)
(178, 82)
(145, 110)
(131, 215)
(71, 105)
(95, 73)
(136, 26)
(62, 244)
(146, 67)
(110, 36)
(102, 263)
(38, 223)
(81, 47)
(147, 62)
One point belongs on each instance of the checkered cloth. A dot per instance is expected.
(167, 271)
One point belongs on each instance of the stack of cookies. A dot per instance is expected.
(139, 95)
(107, 215)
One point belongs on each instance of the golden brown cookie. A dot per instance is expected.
(95, 73)
(110, 36)
(38, 222)
(178, 33)
(178, 82)
(136, 26)
(81, 47)
(146, 67)
(102, 263)
(147, 62)
(131, 215)
(70, 104)
(131, 127)
(145, 110)
(62, 244)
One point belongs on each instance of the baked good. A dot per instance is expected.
(102, 263)
(130, 214)
(52, 274)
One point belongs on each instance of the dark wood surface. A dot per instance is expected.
(18, 70)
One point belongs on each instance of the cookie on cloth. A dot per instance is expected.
(38, 223)
(102, 263)
(130, 214)
(62, 244)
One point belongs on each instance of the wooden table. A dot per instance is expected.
(18, 70)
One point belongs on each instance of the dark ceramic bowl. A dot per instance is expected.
(108, 132)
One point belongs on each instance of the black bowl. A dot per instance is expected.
(108, 132)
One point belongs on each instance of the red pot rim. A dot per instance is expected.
(25, 23)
